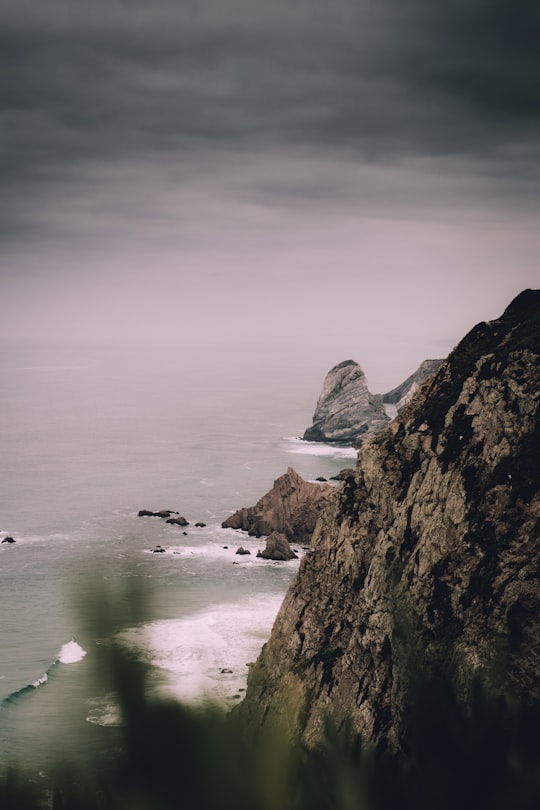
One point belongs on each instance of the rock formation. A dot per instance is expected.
(346, 410)
(402, 394)
(429, 556)
(277, 548)
(291, 507)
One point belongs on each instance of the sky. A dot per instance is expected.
(351, 179)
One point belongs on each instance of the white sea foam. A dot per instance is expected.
(40, 681)
(296, 445)
(71, 653)
(206, 655)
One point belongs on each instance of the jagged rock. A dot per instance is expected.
(277, 548)
(241, 550)
(292, 507)
(428, 558)
(346, 410)
(402, 394)
(179, 521)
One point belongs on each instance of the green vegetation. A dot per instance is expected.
(485, 754)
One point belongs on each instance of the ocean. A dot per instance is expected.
(90, 436)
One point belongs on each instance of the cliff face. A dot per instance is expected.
(291, 508)
(346, 409)
(430, 552)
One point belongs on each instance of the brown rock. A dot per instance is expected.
(277, 548)
(427, 558)
(179, 521)
(292, 507)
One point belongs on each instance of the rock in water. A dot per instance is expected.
(346, 410)
(277, 548)
(292, 507)
(402, 394)
(428, 558)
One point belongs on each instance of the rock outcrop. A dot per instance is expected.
(292, 508)
(346, 410)
(428, 557)
(402, 394)
(277, 548)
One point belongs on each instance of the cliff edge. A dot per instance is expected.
(428, 555)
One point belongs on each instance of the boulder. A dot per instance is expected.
(277, 548)
(242, 550)
(291, 507)
(179, 521)
(8, 540)
(343, 475)
(200, 524)
(346, 410)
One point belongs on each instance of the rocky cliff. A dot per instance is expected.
(346, 410)
(428, 555)
(291, 507)
(402, 394)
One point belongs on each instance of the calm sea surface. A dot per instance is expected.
(91, 436)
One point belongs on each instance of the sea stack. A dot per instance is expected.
(427, 559)
(346, 410)
(402, 394)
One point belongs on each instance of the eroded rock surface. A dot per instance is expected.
(429, 555)
(346, 410)
(277, 548)
(292, 508)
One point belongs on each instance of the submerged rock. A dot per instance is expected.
(163, 513)
(427, 559)
(346, 410)
(277, 548)
(292, 507)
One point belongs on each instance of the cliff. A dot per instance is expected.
(346, 409)
(427, 557)
(402, 394)
(291, 507)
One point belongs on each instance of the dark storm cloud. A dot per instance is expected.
(182, 84)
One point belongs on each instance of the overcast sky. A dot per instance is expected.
(262, 172)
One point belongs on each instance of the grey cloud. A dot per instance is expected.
(192, 85)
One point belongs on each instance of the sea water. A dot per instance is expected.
(90, 436)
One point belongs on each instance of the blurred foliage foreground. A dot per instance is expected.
(486, 755)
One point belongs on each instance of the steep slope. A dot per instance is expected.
(428, 556)
(346, 409)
